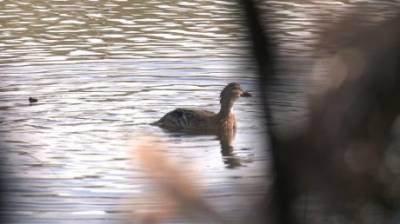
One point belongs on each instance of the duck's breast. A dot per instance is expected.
(228, 124)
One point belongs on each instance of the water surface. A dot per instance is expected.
(103, 70)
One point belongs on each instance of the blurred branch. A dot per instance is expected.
(264, 55)
(339, 159)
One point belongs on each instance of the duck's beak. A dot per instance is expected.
(245, 94)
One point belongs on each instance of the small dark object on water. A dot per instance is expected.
(32, 100)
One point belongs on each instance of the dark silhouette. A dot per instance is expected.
(338, 164)
(32, 100)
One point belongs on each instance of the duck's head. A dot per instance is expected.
(232, 92)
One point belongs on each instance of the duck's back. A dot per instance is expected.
(187, 119)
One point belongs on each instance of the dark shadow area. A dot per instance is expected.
(3, 182)
(339, 168)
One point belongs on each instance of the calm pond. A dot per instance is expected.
(102, 70)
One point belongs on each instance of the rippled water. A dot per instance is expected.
(103, 70)
(70, 153)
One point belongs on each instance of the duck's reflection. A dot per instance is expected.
(226, 140)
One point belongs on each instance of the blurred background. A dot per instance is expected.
(102, 70)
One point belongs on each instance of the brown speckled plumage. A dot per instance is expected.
(206, 121)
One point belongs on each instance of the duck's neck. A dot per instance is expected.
(226, 108)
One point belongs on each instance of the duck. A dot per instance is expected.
(197, 120)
